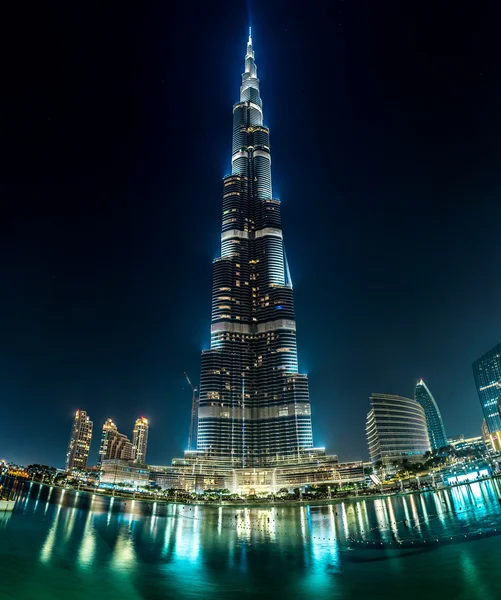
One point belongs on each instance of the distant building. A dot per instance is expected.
(114, 445)
(460, 442)
(140, 439)
(396, 430)
(121, 448)
(80, 440)
(487, 375)
(124, 473)
(452, 439)
(436, 431)
(492, 441)
(108, 432)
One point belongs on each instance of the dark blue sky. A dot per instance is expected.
(385, 129)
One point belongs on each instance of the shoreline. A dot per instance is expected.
(256, 504)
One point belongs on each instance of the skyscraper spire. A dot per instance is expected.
(250, 72)
(250, 51)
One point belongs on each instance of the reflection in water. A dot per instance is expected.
(48, 547)
(124, 555)
(4, 517)
(190, 547)
(48, 499)
(69, 523)
(415, 515)
(88, 542)
(469, 572)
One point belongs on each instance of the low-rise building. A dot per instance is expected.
(124, 473)
(196, 472)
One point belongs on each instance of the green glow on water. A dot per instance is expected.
(68, 545)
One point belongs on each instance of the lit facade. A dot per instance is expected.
(124, 473)
(436, 430)
(108, 432)
(140, 439)
(492, 441)
(254, 406)
(396, 430)
(114, 445)
(80, 440)
(487, 375)
(196, 473)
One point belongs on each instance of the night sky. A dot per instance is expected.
(386, 132)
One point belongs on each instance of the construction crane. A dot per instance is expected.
(191, 437)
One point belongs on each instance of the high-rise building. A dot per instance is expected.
(254, 406)
(396, 430)
(436, 431)
(121, 448)
(80, 440)
(108, 433)
(140, 439)
(114, 445)
(487, 374)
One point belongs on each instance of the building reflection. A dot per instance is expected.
(124, 555)
(87, 548)
(196, 542)
(50, 540)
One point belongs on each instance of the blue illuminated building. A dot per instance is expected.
(487, 374)
(254, 405)
(436, 430)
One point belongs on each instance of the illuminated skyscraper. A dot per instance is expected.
(140, 439)
(80, 440)
(114, 445)
(254, 406)
(487, 374)
(436, 430)
(108, 432)
(396, 430)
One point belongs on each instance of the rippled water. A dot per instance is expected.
(65, 545)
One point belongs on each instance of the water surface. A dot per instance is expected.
(66, 545)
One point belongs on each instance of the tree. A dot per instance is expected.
(60, 478)
(40, 472)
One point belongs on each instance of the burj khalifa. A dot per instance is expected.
(254, 406)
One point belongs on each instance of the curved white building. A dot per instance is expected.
(396, 430)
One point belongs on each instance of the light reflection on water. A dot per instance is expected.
(150, 550)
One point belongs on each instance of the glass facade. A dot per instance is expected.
(436, 429)
(396, 430)
(487, 375)
(254, 406)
